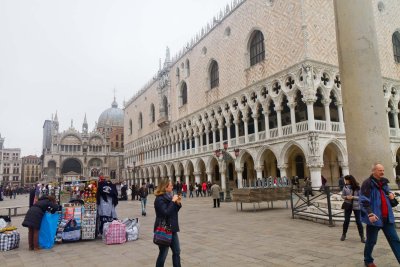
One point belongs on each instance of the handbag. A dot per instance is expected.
(163, 233)
(347, 205)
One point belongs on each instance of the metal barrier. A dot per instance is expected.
(315, 203)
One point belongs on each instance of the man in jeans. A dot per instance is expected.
(376, 212)
(143, 192)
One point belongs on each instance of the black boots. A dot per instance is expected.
(362, 239)
(343, 237)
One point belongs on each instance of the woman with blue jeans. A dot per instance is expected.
(350, 194)
(167, 207)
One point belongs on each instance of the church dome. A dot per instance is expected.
(112, 117)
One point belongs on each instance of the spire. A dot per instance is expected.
(85, 125)
(72, 123)
(55, 117)
(167, 58)
(114, 103)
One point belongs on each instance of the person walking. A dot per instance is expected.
(191, 188)
(167, 206)
(350, 194)
(184, 189)
(33, 219)
(215, 190)
(376, 212)
(143, 192)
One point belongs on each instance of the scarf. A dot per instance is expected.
(384, 206)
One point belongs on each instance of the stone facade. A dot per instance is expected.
(279, 117)
(31, 170)
(10, 165)
(75, 155)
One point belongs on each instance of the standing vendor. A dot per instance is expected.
(107, 200)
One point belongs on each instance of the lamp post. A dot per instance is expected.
(223, 156)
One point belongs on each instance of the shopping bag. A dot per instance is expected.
(116, 233)
(48, 228)
(132, 229)
(9, 240)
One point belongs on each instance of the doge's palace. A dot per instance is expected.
(261, 82)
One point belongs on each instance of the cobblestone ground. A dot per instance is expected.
(211, 237)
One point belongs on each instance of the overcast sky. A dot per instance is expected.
(69, 55)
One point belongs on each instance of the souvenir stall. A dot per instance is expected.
(78, 215)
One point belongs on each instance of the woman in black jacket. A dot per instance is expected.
(350, 194)
(167, 207)
(33, 219)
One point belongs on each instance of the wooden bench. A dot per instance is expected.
(15, 208)
(257, 195)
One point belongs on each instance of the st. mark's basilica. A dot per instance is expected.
(71, 155)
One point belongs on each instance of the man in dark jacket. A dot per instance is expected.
(143, 192)
(376, 212)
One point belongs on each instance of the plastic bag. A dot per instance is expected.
(48, 230)
(132, 229)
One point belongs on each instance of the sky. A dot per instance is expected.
(68, 56)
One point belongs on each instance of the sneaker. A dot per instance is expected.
(370, 264)
(362, 239)
(343, 238)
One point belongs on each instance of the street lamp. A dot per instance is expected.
(223, 156)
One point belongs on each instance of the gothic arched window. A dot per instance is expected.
(214, 75)
(140, 120)
(257, 49)
(152, 113)
(396, 46)
(130, 126)
(187, 66)
(184, 93)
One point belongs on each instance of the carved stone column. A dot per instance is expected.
(239, 178)
(255, 118)
(278, 110)
(266, 119)
(327, 114)
(292, 107)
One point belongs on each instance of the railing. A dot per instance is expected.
(286, 130)
(252, 137)
(320, 125)
(335, 126)
(393, 132)
(302, 126)
(261, 135)
(241, 140)
(273, 133)
(315, 204)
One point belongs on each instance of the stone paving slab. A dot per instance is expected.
(211, 237)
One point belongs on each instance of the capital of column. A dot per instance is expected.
(314, 162)
(326, 102)
(283, 166)
(278, 108)
(196, 173)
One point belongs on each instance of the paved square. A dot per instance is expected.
(211, 237)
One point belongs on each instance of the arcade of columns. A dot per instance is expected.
(295, 113)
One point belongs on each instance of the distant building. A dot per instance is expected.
(31, 170)
(10, 165)
(73, 155)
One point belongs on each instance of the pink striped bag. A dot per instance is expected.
(116, 233)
